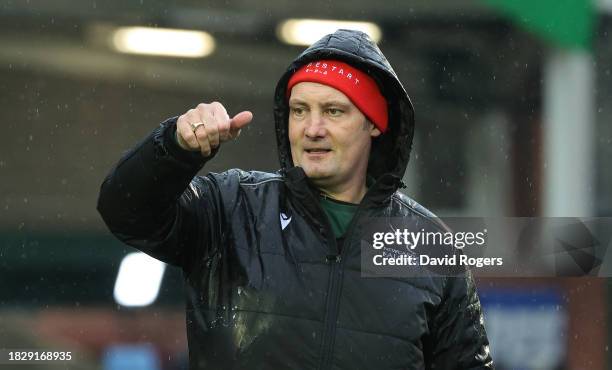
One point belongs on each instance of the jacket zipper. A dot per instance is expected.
(331, 311)
(335, 279)
(333, 291)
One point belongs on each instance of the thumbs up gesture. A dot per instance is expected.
(205, 127)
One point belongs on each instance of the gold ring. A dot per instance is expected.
(194, 126)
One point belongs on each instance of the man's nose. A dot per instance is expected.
(316, 126)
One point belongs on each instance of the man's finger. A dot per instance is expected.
(202, 137)
(222, 122)
(188, 138)
(224, 130)
(239, 121)
(185, 135)
(212, 132)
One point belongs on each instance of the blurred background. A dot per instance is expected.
(513, 104)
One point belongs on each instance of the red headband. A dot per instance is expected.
(360, 88)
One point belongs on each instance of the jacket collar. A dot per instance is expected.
(302, 188)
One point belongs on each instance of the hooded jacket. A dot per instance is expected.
(267, 284)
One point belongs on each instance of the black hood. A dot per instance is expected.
(391, 151)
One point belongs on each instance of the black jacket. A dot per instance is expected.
(260, 296)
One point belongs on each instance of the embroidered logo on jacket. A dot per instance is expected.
(284, 220)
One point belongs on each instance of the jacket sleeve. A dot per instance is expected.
(459, 339)
(153, 201)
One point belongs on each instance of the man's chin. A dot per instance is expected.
(316, 175)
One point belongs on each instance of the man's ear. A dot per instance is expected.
(374, 131)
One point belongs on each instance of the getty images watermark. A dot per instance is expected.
(495, 247)
(413, 239)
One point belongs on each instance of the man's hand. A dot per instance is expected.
(217, 127)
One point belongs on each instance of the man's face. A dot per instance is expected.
(330, 137)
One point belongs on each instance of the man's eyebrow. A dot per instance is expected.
(336, 102)
(296, 101)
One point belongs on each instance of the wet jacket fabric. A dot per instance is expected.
(267, 284)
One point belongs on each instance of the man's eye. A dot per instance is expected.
(334, 112)
(297, 111)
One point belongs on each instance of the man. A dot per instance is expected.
(272, 261)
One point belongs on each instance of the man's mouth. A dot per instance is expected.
(317, 150)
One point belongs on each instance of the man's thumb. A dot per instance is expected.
(240, 120)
